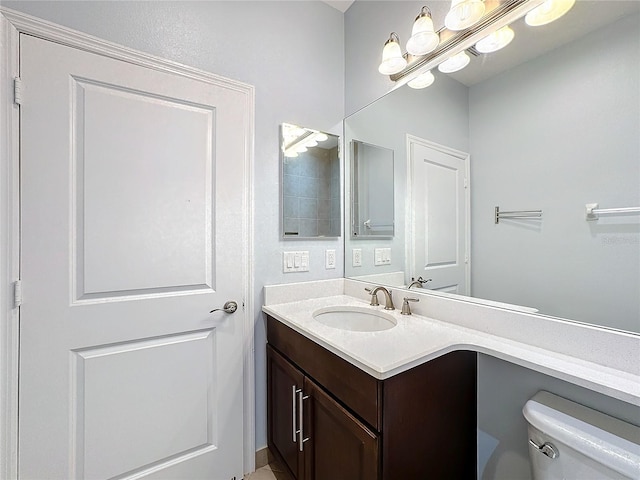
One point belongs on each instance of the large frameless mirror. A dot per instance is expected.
(543, 145)
(310, 166)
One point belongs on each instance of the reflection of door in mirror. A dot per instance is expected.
(438, 216)
(372, 187)
(310, 183)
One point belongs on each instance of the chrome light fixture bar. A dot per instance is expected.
(453, 43)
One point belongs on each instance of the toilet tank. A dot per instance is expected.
(586, 444)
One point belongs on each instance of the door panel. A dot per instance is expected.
(284, 381)
(439, 219)
(169, 218)
(156, 425)
(132, 192)
(340, 447)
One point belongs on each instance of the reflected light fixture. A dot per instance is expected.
(463, 14)
(549, 11)
(321, 137)
(496, 40)
(422, 81)
(297, 140)
(423, 38)
(392, 59)
(455, 63)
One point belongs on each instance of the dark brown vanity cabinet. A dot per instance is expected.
(329, 420)
(332, 443)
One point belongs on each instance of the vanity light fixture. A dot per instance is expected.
(392, 59)
(455, 63)
(496, 40)
(549, 11)
(422, 81)
(423, 38)
(463, 14)
(488, 31)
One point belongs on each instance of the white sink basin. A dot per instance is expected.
(355, 319)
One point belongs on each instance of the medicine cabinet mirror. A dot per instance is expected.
(310, 166)
(372, 191)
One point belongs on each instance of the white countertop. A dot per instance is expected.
(417, 339)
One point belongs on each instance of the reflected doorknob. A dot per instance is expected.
(228, 307)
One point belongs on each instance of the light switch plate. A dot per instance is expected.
(295, 261)
(382, 256)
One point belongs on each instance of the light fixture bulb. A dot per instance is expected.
(463, 14)
(321, 137)
(290, 153)
(423, 38)
(549, 11)
(392, 59)
(423, 80)
(455, 63)
(311, 143)
(496, 40)
(300, 148)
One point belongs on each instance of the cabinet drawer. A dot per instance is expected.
(358, 390)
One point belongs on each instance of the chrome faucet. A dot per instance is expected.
(418, 283)
(406, 309)
(388, 300)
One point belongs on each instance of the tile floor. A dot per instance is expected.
(273, 471)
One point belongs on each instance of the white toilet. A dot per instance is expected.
(570, 441)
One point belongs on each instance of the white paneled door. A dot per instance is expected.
(439, 216)
(132, 218)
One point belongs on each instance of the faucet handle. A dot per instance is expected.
(406, 310)
(374, 298)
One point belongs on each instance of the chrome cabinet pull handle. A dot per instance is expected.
(301, 439)
(228, 307)
(294, 391)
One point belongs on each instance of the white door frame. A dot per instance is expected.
(12, 23)
(409, 221)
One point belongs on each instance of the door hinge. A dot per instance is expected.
(17, 293)
(17, 91)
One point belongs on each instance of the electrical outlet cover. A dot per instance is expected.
(330, 259)
(357, 257)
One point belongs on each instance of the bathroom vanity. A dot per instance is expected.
(376, 396)
(329, 419)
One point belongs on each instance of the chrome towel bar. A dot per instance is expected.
(592, 211)
(517, 214)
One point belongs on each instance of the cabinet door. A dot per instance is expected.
(284, 381)
(340, 447)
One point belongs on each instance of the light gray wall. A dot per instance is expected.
(285, 51)
(576, 112)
